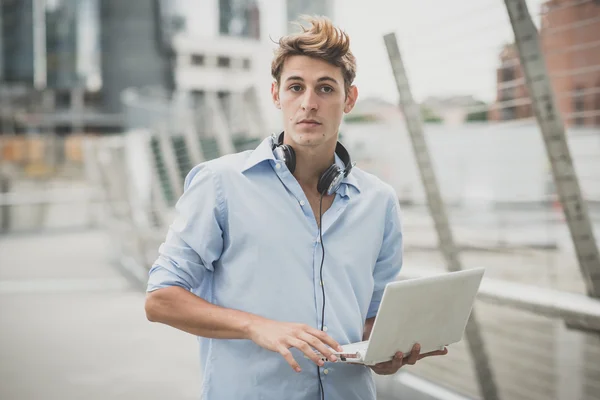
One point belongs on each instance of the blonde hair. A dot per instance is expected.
(320, 40)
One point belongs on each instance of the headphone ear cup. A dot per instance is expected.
(327, 179)
(290, 157)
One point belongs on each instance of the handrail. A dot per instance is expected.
(576, 310)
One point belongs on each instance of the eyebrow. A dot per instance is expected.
(322, 79)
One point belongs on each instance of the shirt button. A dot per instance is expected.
(325, 371)
(324, 329)
(302, 203)
(278, 166)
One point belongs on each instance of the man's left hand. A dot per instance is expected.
(392, 366)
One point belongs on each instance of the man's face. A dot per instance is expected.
(312, 99)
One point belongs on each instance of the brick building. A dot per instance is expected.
(570, 37)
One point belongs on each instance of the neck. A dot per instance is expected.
(311, 162)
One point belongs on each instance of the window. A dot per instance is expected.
(508, 113)
(579, 105)
(92, 98)
(197, 59)
(597, 104)
(62, 99)
(223, 62)
(239, 18)
(247, 64)
(508, 74)
(507, 94)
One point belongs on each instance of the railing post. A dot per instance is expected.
(449, 250)
(557, 147)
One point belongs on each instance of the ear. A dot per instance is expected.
(275, 94)
(351, 99)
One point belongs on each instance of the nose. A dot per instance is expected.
(309, 101)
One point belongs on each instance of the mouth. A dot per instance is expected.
(309, 122)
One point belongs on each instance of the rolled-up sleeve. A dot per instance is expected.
(389, 261)
(195, 238)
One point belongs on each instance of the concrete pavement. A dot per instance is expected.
(72, 327)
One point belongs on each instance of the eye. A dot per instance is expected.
(295, 88)
(326, 89)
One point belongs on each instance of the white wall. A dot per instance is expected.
(475, 164)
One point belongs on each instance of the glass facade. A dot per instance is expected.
(72, 46)
(239, 18)
(296, 8)
(61, 44)
(17, 40)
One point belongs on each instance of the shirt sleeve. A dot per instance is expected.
(195, 238)
(389, 262)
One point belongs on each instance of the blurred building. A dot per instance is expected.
(570, 38)
(72, 60)
(512, 97)
(214, 47)
(296, 8)
(16, 41)
(239, 18)
(453, 110)
(570, 35)
(50, 75)
(134, 49)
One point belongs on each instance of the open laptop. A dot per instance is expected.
(432, 311)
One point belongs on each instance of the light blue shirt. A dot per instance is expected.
(245, 237)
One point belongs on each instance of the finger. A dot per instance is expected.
(414, 354)
(325, 338)
(380, 369)
(398, 360)
(392, 366)
(389, 365)
(434, 353)
(287, 355)
(306, 349)
(318, 345)
(386, 364)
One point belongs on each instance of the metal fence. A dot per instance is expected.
(495, 174)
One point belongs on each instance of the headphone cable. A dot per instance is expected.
(321, 283)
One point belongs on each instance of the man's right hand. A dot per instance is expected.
(281, 336)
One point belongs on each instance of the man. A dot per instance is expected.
(282, 252)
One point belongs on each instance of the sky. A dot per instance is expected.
(448, 47)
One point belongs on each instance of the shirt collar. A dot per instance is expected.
(264, 152)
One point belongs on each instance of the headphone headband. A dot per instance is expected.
(340, 150)
(331, 179)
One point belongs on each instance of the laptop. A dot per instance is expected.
(432, 311)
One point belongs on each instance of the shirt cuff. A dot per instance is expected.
(160, 277)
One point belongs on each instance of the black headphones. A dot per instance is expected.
(330, 180)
